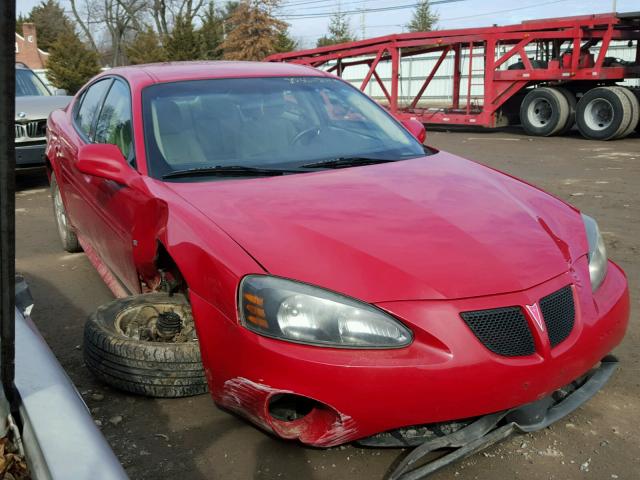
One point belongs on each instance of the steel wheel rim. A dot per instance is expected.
(540, 112)
(61, 216)
(599, 114)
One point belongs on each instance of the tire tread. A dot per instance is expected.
(141, 367)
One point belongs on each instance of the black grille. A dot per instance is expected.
(559, 314)
(502, 330)
(20, 131)
(37, 128)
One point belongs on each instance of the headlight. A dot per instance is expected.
(597, 252)
(301, 313)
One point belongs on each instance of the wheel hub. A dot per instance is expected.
(61, 217)
(168, 325)
(157, 322)
(598, 114)
(540, 112)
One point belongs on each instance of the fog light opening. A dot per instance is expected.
(288, 407)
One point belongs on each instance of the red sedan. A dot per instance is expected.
(345, 280)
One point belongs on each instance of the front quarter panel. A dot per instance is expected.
(210, 261)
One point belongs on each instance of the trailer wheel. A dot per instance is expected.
(573, 102)
(145, 344)
(544, 112)
(604, 113)
(635, 111)
(636, 92)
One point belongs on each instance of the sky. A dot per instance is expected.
(453, 14)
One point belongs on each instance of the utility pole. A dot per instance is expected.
(614, 5)
(7, 202)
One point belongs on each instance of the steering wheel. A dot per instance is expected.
(304, 133)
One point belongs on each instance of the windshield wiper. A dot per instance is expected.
(343, 162)
(228, 170)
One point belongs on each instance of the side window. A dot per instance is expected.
(90, 106)
(114, 122)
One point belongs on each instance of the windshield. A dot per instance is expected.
(281, 122)
(28, 84)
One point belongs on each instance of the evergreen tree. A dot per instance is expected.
(424, 19)
(145, 48)
(20, 19)
(256, 31)
(71, 64)
(227, 15)
(50, 21)
(212, 32)
(284, 42)
(184, 43)
(339, 31)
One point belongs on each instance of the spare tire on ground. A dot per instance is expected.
(146, 344)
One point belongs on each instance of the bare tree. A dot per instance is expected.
(120, 18)
(165, 12)
(118, 22)
(83, 18)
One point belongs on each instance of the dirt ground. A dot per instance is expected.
(192, 439)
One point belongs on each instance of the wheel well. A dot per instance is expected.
(169, 278)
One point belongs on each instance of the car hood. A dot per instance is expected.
(436, 227)
(39, 107)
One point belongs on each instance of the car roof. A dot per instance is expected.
(180, 71)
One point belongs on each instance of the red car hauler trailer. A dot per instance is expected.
(569, 79)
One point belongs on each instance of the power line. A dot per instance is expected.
(465, 17)
(294, 16)
(325, 5)
(508, 10)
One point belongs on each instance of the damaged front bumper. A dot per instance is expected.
(482, 432)
(324, 397)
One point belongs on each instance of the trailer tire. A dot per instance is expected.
(635, 111)
(603, 113)
(544, 112)
(636, 92)
(573, 102)
(150, 368)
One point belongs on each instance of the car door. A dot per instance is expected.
(114, 206)
(80, 131)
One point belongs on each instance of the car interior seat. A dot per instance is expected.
(175, 134)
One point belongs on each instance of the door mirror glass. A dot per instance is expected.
(105, 161)
(416, 129)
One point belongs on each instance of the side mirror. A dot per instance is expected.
(415, 128)
(60, 91)
(105, 161)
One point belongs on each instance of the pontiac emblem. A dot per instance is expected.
(536, 314)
